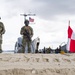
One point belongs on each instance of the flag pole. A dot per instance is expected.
(69, 23)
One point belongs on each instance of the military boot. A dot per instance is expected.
(1, 51)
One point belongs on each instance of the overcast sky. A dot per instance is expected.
(51, 20)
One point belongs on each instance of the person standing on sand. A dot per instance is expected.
(27, 33)
(2, 31)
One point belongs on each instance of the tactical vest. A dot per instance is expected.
(28, 29)
(1, 27)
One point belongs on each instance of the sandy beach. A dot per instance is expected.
(37, 64)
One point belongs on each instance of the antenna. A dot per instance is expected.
(25, 15)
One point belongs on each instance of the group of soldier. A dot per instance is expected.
(26, 32)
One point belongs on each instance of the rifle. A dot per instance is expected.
(27, 34)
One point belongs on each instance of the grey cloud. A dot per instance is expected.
(14, 7)
(46, 9)
(51, 8)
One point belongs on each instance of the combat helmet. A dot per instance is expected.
(26, 22)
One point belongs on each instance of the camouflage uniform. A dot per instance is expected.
(26, 41)
(2, 31)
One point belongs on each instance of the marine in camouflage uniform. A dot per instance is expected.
(2, 31)
(26, 40)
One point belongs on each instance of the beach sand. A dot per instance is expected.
(37, 64)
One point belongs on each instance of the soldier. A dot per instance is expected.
(2, 31)
(27, 33)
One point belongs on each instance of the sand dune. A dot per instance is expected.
(37, 64)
